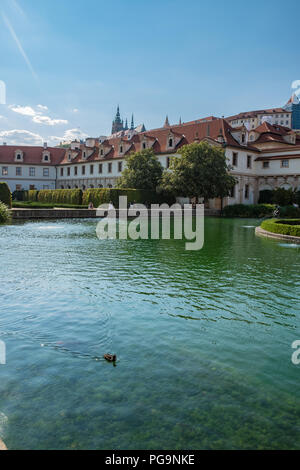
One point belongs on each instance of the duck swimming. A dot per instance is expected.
(110, 357)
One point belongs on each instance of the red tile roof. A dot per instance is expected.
(31, 155)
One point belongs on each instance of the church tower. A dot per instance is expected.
(117, 124)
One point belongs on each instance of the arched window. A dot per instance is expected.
(170, 142)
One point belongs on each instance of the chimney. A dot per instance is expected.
(45, 145)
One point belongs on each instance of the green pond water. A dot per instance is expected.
(203, 339)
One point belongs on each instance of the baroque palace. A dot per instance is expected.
(261, 147)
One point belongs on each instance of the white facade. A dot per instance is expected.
(20, 176)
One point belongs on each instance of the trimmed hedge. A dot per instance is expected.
(5, 194)
(100, 196)
(283, 227)
(248, 210)
(4, 213)
(32, 195)
(97, 196)
(64, 196)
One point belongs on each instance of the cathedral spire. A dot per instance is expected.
(132, 123)
(167, 124)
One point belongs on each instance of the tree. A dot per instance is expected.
(143, 171)
(201, 171)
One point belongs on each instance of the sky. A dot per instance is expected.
(68, 64)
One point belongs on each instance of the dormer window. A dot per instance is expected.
(171, 142)
(144, 145)
(121, 149)
(46, 157)
(84, 154)
(101, 152)
(69, 157)
(18, 156)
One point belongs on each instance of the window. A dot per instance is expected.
(18, 171)
(168, 162)
(247, 191)
(31, 171)
(75, 170)
(100, 168)
(45, 171)
(68, 171)
(232, 192)
(109, 167)
(19, 156)
(144, 145)
(266, 164)
(69, 157)
(284, 163)
(31, 187)
(46, 158)
(249, 161)
(101, 152)
(170, 142)
(243, 138)
(92, 169)
(61, 172)
(83, 170)
(4, 171)
(120, 167)
(84, 155)
(121, 149)
(18, 187)
(235, 158)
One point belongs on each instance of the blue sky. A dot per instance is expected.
(67, 64)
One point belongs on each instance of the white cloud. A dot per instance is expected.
(24, 110)
(38, 119)
(42, 107)
(21, 137)
(37, 116)
(70, 135)
(75, 110)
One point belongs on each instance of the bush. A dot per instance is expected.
(5, 194)
(19, 195)
(31, 195)
(283, 197)
(283, 227)
(4, 213)
(249, 210)
(266, 196)
(63, 196)
(140, 196)
(289, 211)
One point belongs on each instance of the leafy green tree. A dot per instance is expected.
(201, 171)
(143, 171)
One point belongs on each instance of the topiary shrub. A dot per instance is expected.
(60, 196)
(4, 213)
(5, 194)
(284, 227)
(100, 196)
(249, 210)
(31, 195)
